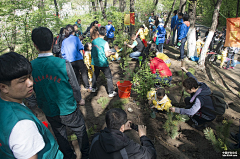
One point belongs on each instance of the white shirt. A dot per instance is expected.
(25, 140)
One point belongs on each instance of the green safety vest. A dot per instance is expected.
(98, 53)
(51, 84)
(10, 114)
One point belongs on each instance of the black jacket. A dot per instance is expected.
(111, 141)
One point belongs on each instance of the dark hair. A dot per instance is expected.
(86, 46)
(94, 22)
(74, 25)
(153, 49)
(185, 17)
(142, 26)
(12, 66)
(156, 22)
(190, 83)
(180, 14)
(175, 12)
(102, 30)
(160, 92)
(115, 118)
(43, 38)
(78, 20)
(69, 30)
(61, 30)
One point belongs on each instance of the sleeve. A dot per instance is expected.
(172, 23)
(25, 140)
(189, 74)
(193, 110)
(135, 43)
(73, 81)
(62, 50)
(80, 45)
(113, 29)
(145, 150)
(106, 47)
(181, 32)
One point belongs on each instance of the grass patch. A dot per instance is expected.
(120, 103)
(103, 101)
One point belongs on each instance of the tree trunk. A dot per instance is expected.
(155, 2)
(210, 34)
(169, 13)
(191, 37)
(131, 10)
(237, 8)
(103, 8)
(122, 5)
(56, 6)
(182, 6)
(114, 3)
(94, 6)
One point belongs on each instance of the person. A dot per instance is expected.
(159, 99)
(198, 33)
(87, 32)
(224, 52)
(173, 24)
(112, 142)
(116, 55)
(151, 21)
(110, 32)
(179, 22)
(161, 32)
(182, 35)
(71, 47)
(137, 47)
(236, 138)
(22, 134)
(160, 55)
(200, 102)
(94, 30)
(206, 34)
(231, 53)
(88, 60)
(58, 94)
(142, 32)
(77, 32)
(199, 46)
(79, 25)
(100, 52)
(161, 70)
(58, 43)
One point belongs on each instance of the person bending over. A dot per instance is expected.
(112, 143)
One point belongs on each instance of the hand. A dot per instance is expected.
(152, 107)
(142, 130)
(127, 126)
(184, 69)
(172, 109)
(125, 43)
(150, 102)
(81, 102)
(179, 41)
(144, 25)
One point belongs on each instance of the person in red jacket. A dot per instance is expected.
(161, 70)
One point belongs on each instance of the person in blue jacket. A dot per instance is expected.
(179, 22)
(110, 32)
(182, 35)
(161, 35)
(173, 24)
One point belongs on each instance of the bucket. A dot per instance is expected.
(124, 89)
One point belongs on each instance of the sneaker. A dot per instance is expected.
(234, 136)
(112, 94)
(232, 67)
(226, 68)
(94, 90)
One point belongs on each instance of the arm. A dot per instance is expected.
(107, 50)
(131, 46)
(73, 82)
(189, 74)
(34, 157)
(193, 110)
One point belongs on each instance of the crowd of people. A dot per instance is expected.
(56, 83)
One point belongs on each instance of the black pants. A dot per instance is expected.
(80, 66)
(75, 122)
(110, 41)
(195, 118)
(108, 75)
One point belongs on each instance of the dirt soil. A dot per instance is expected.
(190, 143)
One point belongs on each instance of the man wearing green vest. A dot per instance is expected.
(58, 94)
(100, 52)
(22, 135)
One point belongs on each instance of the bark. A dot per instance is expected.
(182, 6)
(191, 37)
(114, 3)
(211, 32)
(237, 8)
(56, 7)
(169, 13)
(131, 10)
(94, 6)
(122, 5)
(156, 3)
(103, 8)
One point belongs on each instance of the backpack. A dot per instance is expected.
(56, 46)
(218, 103)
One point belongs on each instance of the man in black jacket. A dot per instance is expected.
(112, 143)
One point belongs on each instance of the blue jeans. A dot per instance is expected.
(235, 63)
(183, 41)
(165, 80)
(174, 31)
(231, 56)
(135, 54)
(160, 47)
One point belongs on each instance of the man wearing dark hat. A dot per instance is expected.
(110, 32)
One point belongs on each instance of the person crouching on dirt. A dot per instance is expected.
(161, 70)
(159, 99)
(198, 106)
(116, 55)
(160, 55)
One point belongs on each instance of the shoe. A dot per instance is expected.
(82, 102)
(94, 90)
(233, 146)
(112, 94)
(226, 68)
(179, 59)
(234, 136)
(232, 67)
